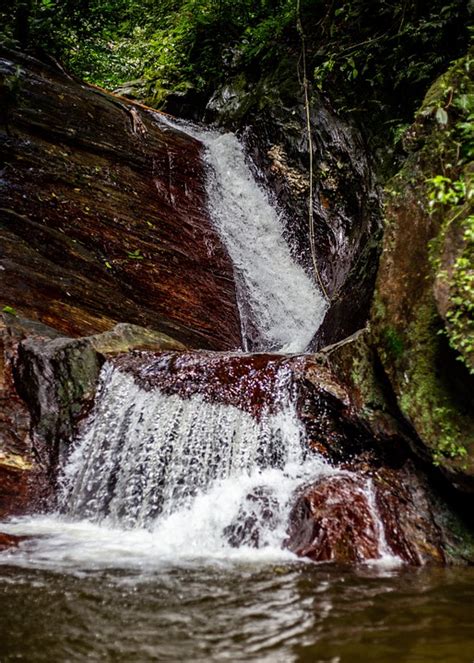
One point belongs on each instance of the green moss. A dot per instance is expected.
(434, 188)
(460, 315)
(424, 397)
(393, 342)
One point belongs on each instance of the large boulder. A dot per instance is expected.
(103, 215)
(422, 325)
(47, 386)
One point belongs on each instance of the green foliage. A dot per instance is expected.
(371, 55)
(460, 315)
(10, 310)
(172, 42)
(379, 57)
(452, 199)
(135, 255)
(393, 342)
(443, 191)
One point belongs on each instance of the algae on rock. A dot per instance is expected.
(422, 306)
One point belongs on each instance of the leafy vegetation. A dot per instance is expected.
(423, 302)
(451, 196)
(374, 55)
(9, 309)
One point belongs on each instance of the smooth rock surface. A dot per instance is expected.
(103, 214)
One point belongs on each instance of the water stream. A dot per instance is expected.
(178, 475)
(174, 504)
(280, 305)
(251, 613)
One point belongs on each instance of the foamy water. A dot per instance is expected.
(280, 305)
(156, 479)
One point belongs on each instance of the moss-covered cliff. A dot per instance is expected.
(421, 327)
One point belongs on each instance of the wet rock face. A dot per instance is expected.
(355, 518)
(248, 382)
(410, 332)
(104, 216)
(251, 382)
(332, 521)
(412, 520)
(23, 481)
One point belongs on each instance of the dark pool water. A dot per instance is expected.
(297, 612)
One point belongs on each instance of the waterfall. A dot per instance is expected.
(280, 306)
(200, 455)
(197, 478)
(146, 456)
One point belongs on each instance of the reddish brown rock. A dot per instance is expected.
(10, 541)
(404, 502)
(247, 381)
(14, 491)
(361, 515)
(332, 521)
(104, 217)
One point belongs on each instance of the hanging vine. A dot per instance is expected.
(312, 244)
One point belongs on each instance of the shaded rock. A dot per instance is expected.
(259, 511)
(410, 516)
(411, 333)
(57, 378)
(104, 215)
(23, 482)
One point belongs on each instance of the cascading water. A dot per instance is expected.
(147, 454)
(187, 469)
(165, 471)
(171, 472)
(280, 306)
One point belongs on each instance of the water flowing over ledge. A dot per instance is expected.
(281, 307)
(185, 454)
(160, 477)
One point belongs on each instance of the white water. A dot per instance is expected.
(280, 306)
(159, 480)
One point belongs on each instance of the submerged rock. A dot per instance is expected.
(259, 510)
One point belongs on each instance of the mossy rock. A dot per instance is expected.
(421, 316)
